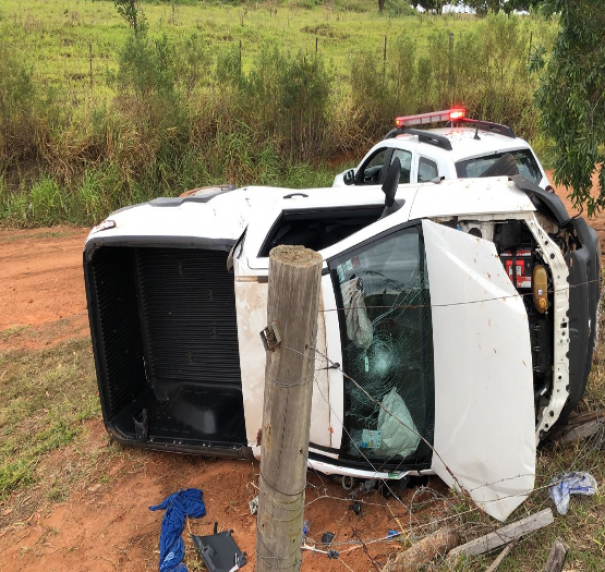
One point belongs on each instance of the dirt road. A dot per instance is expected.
(41, 286)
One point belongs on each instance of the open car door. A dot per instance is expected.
(437, 355)
(484, 405)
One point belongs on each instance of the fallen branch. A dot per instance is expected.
(424, 551)
(496, 563)
(557, 556)
(504, 535)
(582, 426)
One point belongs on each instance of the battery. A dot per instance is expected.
(519, 265)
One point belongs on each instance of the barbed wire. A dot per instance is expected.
(464, 303)
(413, 524)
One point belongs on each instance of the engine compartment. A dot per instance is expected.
(522, 256)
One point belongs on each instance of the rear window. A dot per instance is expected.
(526, 162)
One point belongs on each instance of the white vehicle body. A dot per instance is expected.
(151, 301)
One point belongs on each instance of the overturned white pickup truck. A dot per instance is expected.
(474, 320)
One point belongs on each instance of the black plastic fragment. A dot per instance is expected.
(548, 203)
(219, 552)
(356, 508)
(327, 538)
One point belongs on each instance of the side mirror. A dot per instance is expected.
(389, 188)
(349, 177)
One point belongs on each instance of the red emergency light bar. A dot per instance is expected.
(432, 117)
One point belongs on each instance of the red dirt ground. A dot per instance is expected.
(105, 524)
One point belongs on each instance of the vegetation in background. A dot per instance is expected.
(572, 98)
(179, 106)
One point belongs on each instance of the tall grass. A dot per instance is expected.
(182, 115)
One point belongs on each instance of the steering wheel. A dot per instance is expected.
(371, 174)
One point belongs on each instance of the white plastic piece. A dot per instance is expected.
(335, 469)
(399, 436)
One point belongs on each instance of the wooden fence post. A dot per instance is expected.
(294, 289)
(90, 63)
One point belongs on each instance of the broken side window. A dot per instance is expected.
(387, 344)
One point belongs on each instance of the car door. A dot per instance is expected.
(437, 365)
(373, 169)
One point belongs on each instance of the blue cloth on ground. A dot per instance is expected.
(189, 502)
(567, 484)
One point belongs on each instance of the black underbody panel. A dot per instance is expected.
(166, 346)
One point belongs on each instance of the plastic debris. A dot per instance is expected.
(356, 508)
(219, 551)
(327, 538)
(393, 534)
(333, 554)
(567, 484)
(306, 527)
(254, 506)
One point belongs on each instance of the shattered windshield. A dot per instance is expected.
(387, 349)
(526, 163)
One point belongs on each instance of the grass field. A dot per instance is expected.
(55, 37)
(46, 397)
(94, 118)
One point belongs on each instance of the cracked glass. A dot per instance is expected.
(387, 345)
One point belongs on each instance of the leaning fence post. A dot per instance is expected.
(293, 300)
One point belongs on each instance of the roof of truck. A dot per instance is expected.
(463, 142)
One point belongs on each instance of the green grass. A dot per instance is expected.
(54, 36)
(46, 397)
(12, 332)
